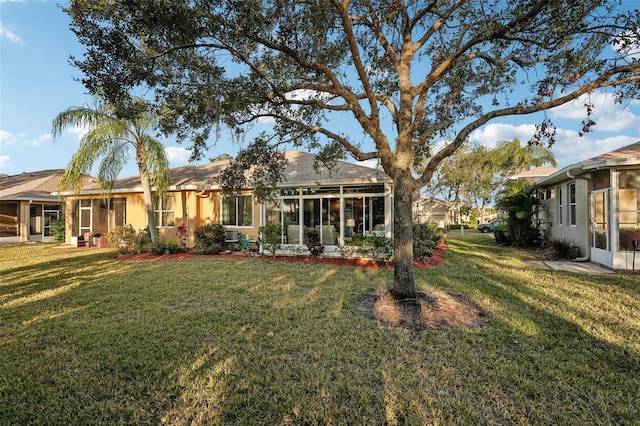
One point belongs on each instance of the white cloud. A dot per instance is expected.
(609, 116)
(78, 131)
(494, 132)
(4, 160)
(570, 148)
(178, 155)
(6, 33)
(7, 138)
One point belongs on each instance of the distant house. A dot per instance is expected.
(429, 209)
(533, 175)
(27, 206)
(349, 200)
(596, 205)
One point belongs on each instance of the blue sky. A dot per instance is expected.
(37, 82)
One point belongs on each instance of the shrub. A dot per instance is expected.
(502, 236)
(211, 233)
(166, 247)
(122, 237)
(58, 229)
(371, 246)
(211, 249)
(519, 207)
(209, 239)
(141, 240)
(378, 247)
(128, 240)
(314, 245)
(559, 249)
(425, 238)
(270, 237)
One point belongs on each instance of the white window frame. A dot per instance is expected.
(572, 204)
(560, 205)
(238, 214)
(162, 212)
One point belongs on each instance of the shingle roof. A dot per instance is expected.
(626, 153)
(535, 173)
(299, 170)
(31, 186)
(626, 156)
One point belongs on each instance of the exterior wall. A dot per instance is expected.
(191, 209)
(623, 218)
(431, 212)
(579, 233)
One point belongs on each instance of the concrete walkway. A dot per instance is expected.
(578, 267)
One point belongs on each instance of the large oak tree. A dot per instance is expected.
(406, 73)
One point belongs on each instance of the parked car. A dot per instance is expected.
(484, 227)
(490, 227)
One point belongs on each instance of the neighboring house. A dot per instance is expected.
(27, 206)
(349, 200)
(533, 175)
(434, 210)
(596, 205)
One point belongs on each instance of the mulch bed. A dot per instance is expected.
(436, 259)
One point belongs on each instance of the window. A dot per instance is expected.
(163, 206)
(572, 204)
(237, 211)
(8, 219)
(559, 198)
(628, 209)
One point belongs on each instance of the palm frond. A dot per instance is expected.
(79, 117)
(112, 164)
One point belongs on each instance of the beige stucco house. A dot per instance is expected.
(596, 205)
(428, 209)
(27, 206)
(349, 200)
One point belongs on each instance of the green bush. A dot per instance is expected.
(270, 237)
(314, 245)
(211, 233)
(520, 229)
(210, 249)
(501, 235)
(425, 238)
(371, 246)
(166, 247)
(378, 247)
(128, 240)
(58, 229)
(559, 249)
(209, 239)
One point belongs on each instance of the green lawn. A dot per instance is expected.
(89, 339)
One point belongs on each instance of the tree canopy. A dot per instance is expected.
(368, 78)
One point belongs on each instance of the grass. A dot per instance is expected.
(86, 338)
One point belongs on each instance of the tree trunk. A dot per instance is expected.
(403, 280)
(145, 180)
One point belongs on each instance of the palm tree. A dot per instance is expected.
(109, 141)
(515, 158)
